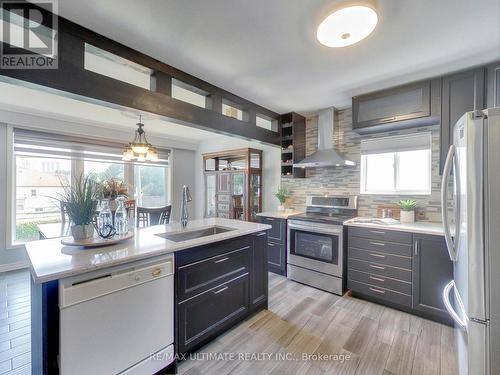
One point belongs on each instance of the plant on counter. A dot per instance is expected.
(282, 195)
(407, 207)
(112, 188)
(80, 203)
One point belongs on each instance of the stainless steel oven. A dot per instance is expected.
(315, 246)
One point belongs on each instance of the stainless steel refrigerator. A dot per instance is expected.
(471, 178)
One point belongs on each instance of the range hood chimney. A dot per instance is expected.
(325, 156)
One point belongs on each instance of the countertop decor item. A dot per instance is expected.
(113, 188)
(282, 195)
(140, 149)
(407, 215)
(97, 241)
(80, 200)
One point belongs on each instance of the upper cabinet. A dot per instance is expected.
(493, 85)
(401, 107)
(461, 92)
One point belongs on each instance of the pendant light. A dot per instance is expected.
(348, 24)
(140, 149)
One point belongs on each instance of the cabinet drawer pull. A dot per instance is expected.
(377, 243)
(377, 278)
(377, 290)
(221, 260)
(221, 290)
(270, 244)
(377, 267)
(269, 219)
(261, 234)
(377, 255)
(377, 231)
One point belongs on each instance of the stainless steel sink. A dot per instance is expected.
(192, 234)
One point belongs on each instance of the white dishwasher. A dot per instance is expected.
(118, 321)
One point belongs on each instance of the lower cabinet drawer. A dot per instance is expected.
(382, 281)
(201, 317)
(380, 246)
(380, 293)
(373, 256)
(379, 269)
(200, 276)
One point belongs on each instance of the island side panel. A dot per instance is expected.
(44, 327)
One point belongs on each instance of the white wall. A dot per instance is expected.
(182, 173)
(271, 172)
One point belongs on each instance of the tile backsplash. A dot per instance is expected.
(345, 180)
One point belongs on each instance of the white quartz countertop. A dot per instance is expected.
(51, 260)
(424, 227)
(279, 214)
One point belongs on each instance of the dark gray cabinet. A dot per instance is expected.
(461, 92)
(276, 248)
(217, 286)
(493, 85)
(399, 269)
(400, 107)
(432, 270)
(379, 265)
(258, 276)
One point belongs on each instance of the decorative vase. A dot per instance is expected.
(281, 207)
(407, 217)
(82, 232)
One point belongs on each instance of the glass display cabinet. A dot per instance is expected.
(233, 184)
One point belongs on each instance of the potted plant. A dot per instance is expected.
(80, 202)
(282, 195)
(111, 189)
(407, 207)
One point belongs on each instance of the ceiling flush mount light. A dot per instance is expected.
(347, 25)
(140, 149)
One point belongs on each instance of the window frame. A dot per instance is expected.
(77, 167)
(363, 177)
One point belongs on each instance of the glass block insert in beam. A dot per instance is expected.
(110, 65)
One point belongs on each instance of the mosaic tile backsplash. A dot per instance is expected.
(343, 180)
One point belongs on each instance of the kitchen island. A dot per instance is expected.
(166, 291)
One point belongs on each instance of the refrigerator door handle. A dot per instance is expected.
(451, 160)
(449, 307)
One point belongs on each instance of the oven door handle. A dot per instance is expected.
(315, 229)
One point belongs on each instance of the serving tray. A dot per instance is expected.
(97, 241)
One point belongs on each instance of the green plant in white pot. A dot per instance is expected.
(407, 206)
(282, 195)
(80, 203)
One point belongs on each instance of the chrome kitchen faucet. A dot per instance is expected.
(186, 197)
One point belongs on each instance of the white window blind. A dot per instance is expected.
(70, 147)
(397, 165)
(409, 142)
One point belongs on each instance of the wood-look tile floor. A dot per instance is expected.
(15, 323)
(301, 321)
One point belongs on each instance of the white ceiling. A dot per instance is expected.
(266, 51)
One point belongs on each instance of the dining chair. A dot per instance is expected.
(130, 207)
(147, 216)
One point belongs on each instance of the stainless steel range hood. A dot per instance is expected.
(326, 155)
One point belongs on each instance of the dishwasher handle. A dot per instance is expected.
(72, 293)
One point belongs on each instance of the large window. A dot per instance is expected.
(44, 163)
(39, 181)
(150, 187)
(396, 165)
